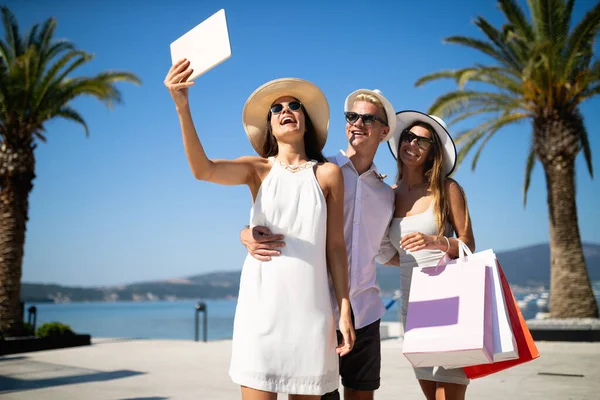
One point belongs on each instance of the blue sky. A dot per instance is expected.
(122, 206)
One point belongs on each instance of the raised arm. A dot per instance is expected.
(331, 179)
(226, 172)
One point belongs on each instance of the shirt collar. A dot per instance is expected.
(342, 159)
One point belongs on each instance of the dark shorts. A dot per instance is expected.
(360, 369)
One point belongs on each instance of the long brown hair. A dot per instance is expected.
(435, 177)
(311, 144)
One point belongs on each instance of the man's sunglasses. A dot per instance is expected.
(423, 142)
(292, 105)
(367, 119)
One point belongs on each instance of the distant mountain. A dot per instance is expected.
(212, 286)
(529, 266)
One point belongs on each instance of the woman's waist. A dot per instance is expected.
(421, 258)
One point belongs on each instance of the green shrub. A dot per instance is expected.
(54, 329)
(28, 329)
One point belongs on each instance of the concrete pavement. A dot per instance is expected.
(172, 369)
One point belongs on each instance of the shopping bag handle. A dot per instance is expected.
(463, 251)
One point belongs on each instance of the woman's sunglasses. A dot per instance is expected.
(367, 119)
(292, 105)
(423, 142)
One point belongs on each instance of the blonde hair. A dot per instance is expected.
(369, 98)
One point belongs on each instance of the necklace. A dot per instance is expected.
(295, 167)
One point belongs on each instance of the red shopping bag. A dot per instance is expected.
(526, 346)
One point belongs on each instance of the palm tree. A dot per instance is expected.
(542, 70)
(35, 87)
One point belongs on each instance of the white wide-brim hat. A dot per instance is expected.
(387, 107)
(256, 109)
(406, 118)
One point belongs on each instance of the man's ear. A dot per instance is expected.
(386, 130)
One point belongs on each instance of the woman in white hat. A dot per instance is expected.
(284, 338)
(430, 209)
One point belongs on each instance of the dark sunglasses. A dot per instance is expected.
(367, 119)
(292, 105)
(423, 142)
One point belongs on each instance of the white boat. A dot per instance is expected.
(541, 302)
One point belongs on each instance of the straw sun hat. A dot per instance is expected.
(256, 109)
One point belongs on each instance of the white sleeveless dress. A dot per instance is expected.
(284, 336)
(425, 223)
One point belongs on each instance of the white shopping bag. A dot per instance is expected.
(505, 345)
(449, 315)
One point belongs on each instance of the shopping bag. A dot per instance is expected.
(449, 315)
(505, 344)
(526, 346)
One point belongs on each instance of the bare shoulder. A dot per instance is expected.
(454, 190)
(328, 168)
(259, 164)
(254, 160)
(328, 174)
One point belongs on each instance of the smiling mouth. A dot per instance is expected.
(358, 133)
(287, 120)
(410, 153)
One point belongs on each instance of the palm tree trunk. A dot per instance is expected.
(16, 182)
(571, 294)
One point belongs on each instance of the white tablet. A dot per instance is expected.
(205, 46)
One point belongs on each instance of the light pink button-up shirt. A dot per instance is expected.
(368, 210)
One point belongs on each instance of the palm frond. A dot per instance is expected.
(101, 87)
(499, 123)
(11, 32)
(471, 137)
(460, 101)
(451, 73)
(540, 24)
(587, 151)
(510, 58)
(557, 29)
(47, 33)
(36, 82)
(50, 48)
(517, 18)
(40, 136)
(567, 13)
(478, 111)
(592, 91)
(497, 76)
(57, 47)
(5, 54)
(483, 47)
(481, 146)
(579, 44)
(528, 170)
(51, 79)
(31, 37)
(118, 76)
(72, 115)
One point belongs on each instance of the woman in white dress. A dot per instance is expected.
(284, 338)
(430, 209)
